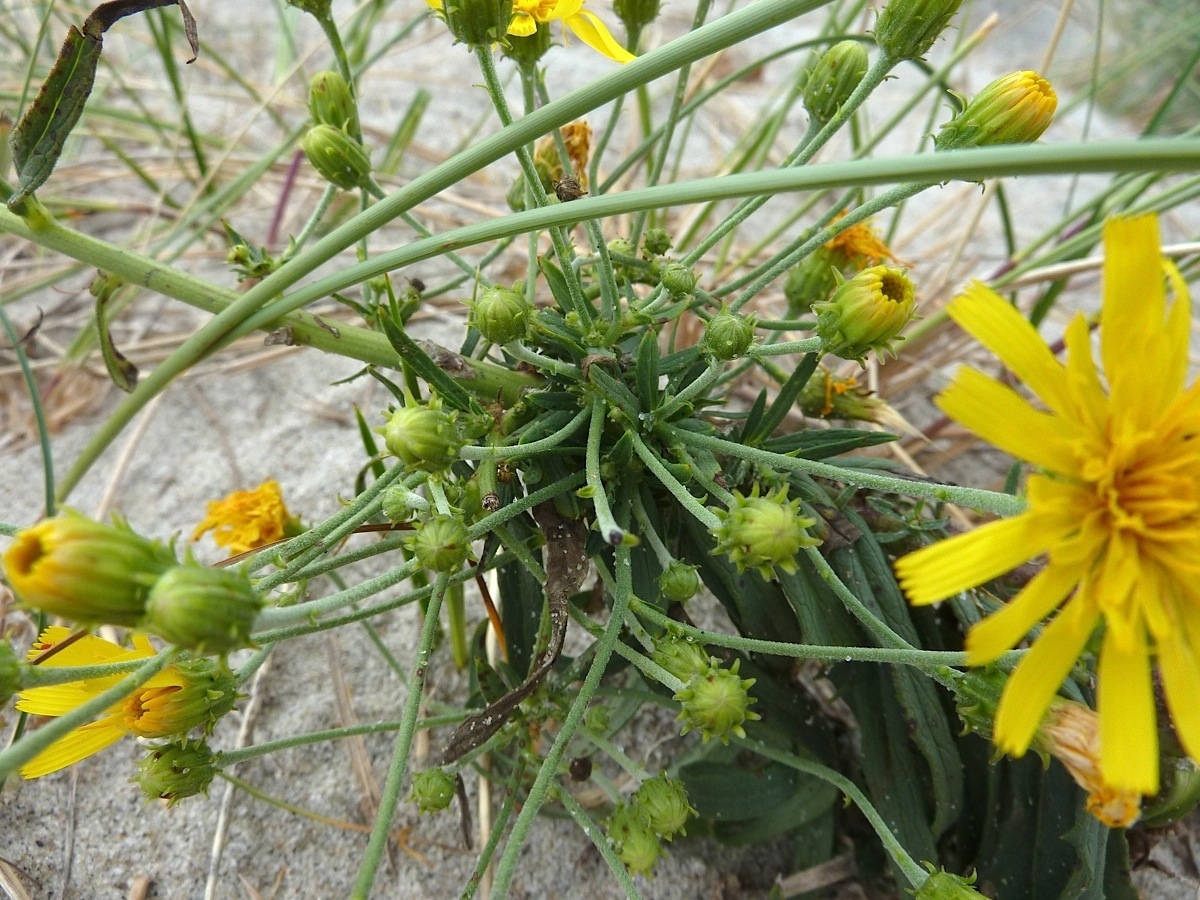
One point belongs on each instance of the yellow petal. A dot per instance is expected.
(76, 745)
(1133, 309)
(1002, 630)
(997, 324)
(1125, 701)
(1090, 400)
(1037, 678)
(596, 35)
(1003, 418)
(964, 561)
(1181, 682)
(522, 25)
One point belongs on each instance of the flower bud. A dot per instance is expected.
(621, 246)
(596, 719)
(477, 22)
(501, 314)
(664, 805)
(679, 582)
(432, 790)
(636, 14)
(194, 694)
(441, 544)
(527, 50)
(83, 570)
(422, 436)
(906, 29)
(678, 279)
(1014, 109)
(202, 608)
(763, 532)
(173, 772)
(656, 242)
(716, 704)
(338, 157)
(682, 657)
(10, 672)
(400, 504)
(636, 843)
(331, 102)
(866, 313)
(834, 78)
(943, 885)
(728, 335)
(810, 281)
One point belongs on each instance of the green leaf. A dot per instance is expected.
(557, 282)
(646, 372)
(521, 602)
(367, 436)
(813, 444)
(454, 394)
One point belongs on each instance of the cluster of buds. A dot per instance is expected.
(658, 811)
(715, 700)
(176, 771)
(334, 143)
(432, 790)
(93, 573)
(761, 533)
(866, 313)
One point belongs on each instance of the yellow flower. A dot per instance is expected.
(527, 15)
(174, 701)
(247, 520)
(859, 245)
(1115, 505)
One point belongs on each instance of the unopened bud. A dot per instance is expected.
(337, 157)
(906, 29)
(656, 242)
(636, 843)
(331, 102)
(432, 790)
(10, 672)
(1015, 109)
(441, 544)
(664, 805)
(728, 336)
(636, 14)
(678, 582)
(682, 657)
(501, 314)
(810, 281)
(202, 608)
(173, 772)
(763, 532)
(834, 78)
(678, 279)
(422, 436)
(717, 703)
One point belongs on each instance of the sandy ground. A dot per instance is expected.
(86, 832)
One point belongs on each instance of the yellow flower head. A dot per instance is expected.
(859, 246)
(174, 701)
(247, 520)
(1115, 504)
(528, 14)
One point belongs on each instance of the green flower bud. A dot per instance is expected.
(173, 772)
(636, 14)
(201, 608)
(501, 314)
(432, 790)
(906, 29)
(527, 51)
(441, 544)
(656, 242)
(763, 532)
(678, 279)
(422, 437)
(716, 704)
(620, 246)
(866, 313)
(1015, 109)
(834, 78)
(664, 805)
(595, 719)
(337, 157)
(203, 692)
(400, 504)
(83, 570)
(728, 335)
(10, 672)
(943, 885)
(331, 102)
(683, 658)
(810, 281)
(636, 843)
(477, 22)
(679, 582)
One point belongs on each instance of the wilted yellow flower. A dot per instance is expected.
(247, 520)
(1115, 503)
(174, 701)
(859, 246)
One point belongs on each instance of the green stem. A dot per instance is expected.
(600, 840)
(549, 770)
(807, 345)
(39, 411)
(609, 530)
(390, 795)
(693, 390)
(519, 451)
(671, 483)
(971, 498)
(16, 755)
(912, 871)
(489, 850)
